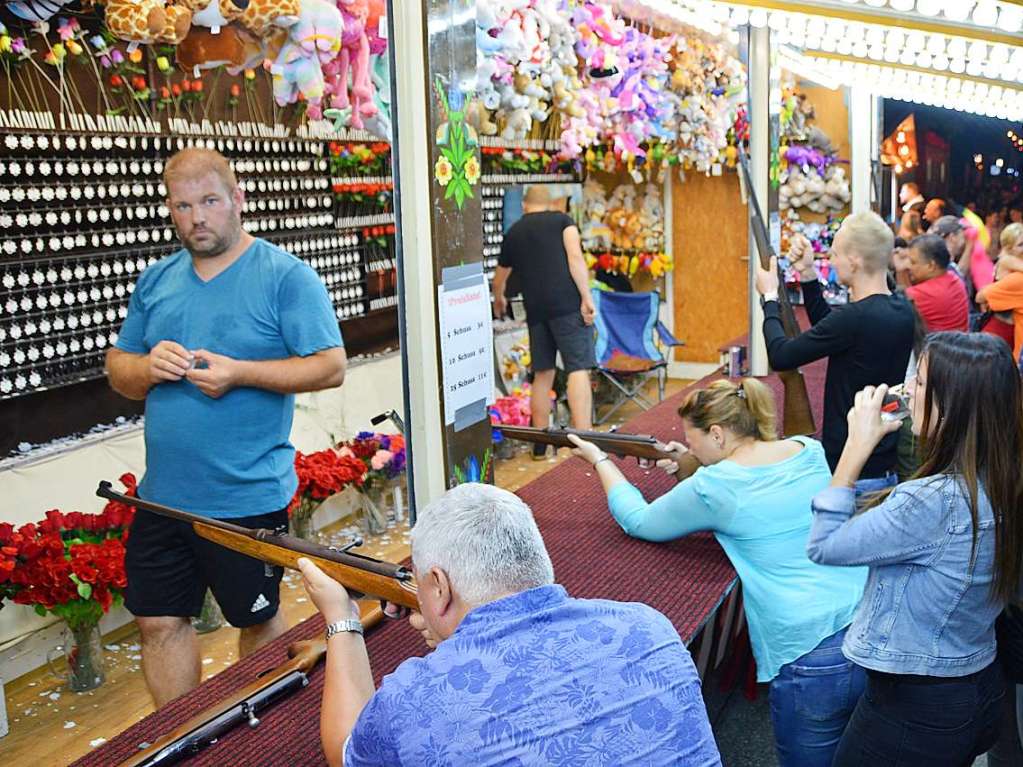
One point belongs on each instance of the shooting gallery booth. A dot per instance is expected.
(393, 161)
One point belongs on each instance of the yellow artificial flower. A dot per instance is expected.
(472, 170)
(73, 48)
(443, 171)
(5, 44)
(135, 56)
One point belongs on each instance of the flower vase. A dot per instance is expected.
(399, 492)
(301, 521)
(374, 509)
(210, 618)
(83, 651)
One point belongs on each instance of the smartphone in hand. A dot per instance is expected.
(895, 405)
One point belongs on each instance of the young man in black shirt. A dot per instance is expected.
(867, 342)
(543, 249)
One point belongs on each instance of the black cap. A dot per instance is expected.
(945, 225)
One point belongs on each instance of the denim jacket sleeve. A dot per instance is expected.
(908, 527)
(676, 513)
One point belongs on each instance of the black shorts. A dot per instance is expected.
(567, 334)
(169, 568)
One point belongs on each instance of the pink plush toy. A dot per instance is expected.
(353, 58)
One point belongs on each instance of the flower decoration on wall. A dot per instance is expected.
(457, 169)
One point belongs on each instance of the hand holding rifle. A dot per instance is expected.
(672, 465)
(801, 255)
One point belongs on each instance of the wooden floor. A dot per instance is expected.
(51, 726)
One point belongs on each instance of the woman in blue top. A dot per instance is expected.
(753, 491)
(944, 554)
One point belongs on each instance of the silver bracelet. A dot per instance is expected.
(601, 460)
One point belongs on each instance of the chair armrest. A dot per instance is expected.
(666, 337)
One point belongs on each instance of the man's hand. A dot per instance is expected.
(588, 310)
(214, 374)
(500, 306)
(900, 259)
(417, 622)
(329, 596)
(169, 361)
(767, 279)
(801, 257)
(670, 465)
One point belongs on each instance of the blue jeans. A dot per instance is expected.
(812, 699)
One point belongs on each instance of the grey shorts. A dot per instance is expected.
(567, 334)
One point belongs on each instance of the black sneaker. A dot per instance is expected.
(539, 452)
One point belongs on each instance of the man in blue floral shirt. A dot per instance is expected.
(522, 674)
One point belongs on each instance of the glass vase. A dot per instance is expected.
(375, 508)
(210, 618)
(82, 648)
(301, 521)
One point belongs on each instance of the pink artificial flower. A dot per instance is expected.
(380, 459)
(345, 451)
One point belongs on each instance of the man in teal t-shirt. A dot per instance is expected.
(219, 338)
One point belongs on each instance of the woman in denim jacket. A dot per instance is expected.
(753, 491)
(944, 555)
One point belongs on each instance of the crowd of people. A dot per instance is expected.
(878, 564)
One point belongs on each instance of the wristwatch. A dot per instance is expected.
(340, 627)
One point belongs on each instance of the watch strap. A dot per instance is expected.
(344, 626)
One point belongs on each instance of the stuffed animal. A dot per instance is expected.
(261, 17)
(218, 14)
(312, 42)
(148, 21)
(353, 60)
(233, 46)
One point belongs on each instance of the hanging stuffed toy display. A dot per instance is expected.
(312, 42)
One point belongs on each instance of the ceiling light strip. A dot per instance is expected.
(810, 54)
(880, 19)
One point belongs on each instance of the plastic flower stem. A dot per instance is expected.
(95, 70)
(212, 90)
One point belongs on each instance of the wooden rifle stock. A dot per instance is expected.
(188, 737)
(355, 572)
(640, 446)
(798, 418)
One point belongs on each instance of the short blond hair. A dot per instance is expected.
(196, 162)
(868, 236)
(1010, 235)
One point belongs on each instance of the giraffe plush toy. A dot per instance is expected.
(148, 21)
(262, 16)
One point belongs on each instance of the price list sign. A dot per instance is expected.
(467, 348)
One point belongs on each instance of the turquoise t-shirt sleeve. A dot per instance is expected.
(308, 324)
(678, 512)
(131, 336)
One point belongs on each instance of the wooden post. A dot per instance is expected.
(441, 228)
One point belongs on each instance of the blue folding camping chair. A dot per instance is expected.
(627, 351)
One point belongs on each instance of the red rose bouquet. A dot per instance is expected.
(320, 475)
(70, 565)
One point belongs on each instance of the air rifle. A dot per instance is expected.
(212, 723)
(798, 418)
(364, 575)
(640, 446)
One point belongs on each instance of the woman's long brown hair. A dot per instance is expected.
(974, 383)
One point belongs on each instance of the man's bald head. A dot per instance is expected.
(536, 199)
